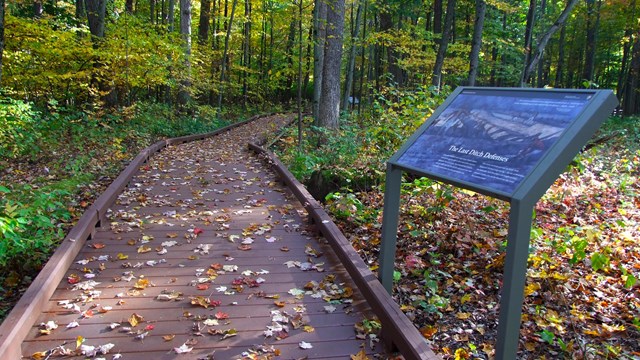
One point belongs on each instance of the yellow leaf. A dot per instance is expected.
(168, 337)
(465, 298)
(122, 256)
(360, 356)
(79, 341)
(135, 319)
(39, 355)
(144, 249)
(308, 328)
(463, 315)
(531, 288)
(141, 284)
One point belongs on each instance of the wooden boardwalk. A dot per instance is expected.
(205, 248)
(206, 254)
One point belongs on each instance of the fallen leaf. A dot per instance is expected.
(361, 355)
(135, 319)
(183, 349)
(168, 337)
(305, 345)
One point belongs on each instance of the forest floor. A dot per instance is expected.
(582, 294)
(583, 290)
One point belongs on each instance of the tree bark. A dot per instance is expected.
(330, 100)
(436, 80)
(348, 88)
(225, 53)
(2, 5)
(476, 42)
(96, 10)
(560, 64)
(593, 20)
(528, 39)
(203, 26)
(319, 37)
(185, 31)
(544, 40)
(128, 6)
(386, 25)
(630, 97)
(437, 18)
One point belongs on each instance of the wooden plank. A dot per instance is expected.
(405, 335)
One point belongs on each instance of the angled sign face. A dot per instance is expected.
(491, 140)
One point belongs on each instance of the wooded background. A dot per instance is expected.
(260, 52)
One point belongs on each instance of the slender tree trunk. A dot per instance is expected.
(593, 20)
(246, 53)
(476, 42)
(319, 37)
(436, 80)
(203, 26)
(630, 98)
(362, 53)
(437, 19)
(2, 5)
(626, 49)
(185, 31)
(152, 11)
(81, 11)
(128, 7)
(528, 36)
(386, 25)
(544, 40)
(348, 88)
(299, 75)
(225, 54)
(561, 55)
(541, 14)
(96, 10)
(37, 9)
(330, 100)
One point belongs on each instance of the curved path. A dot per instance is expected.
(205, 254)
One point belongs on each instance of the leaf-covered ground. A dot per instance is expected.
(582, 293)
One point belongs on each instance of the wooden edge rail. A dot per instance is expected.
(400, 330)
(22, 317)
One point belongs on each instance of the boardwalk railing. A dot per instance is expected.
(17, 324)
(398, 330)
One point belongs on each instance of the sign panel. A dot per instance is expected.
(488, 139)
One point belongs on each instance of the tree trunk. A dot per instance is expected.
(541, 13)
(386, 25)
(436, 80)
(319, 37)
(437, 18)
(348, 88)
(476, 42)
(330, 100)
(593, 19)
(246, 50)
(81, 11)
(185, 31)
(96, 10)
(544, 40)
(1, 37)
(560, 64)
(299, 75)
(630, 98)
(203, 26)
(362, 53)
(528, 36)
(225, 53)
(128, 6)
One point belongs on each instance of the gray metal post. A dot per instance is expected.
(390, 215)
(515, 272)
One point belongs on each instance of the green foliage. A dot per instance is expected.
(19, 129)
(31, 223)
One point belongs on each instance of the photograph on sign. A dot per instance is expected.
(493, 139)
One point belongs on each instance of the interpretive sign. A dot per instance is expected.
(490, 139)
(507, 143)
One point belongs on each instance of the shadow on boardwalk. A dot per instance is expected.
(208, 255)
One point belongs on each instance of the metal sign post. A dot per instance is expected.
(510, 144)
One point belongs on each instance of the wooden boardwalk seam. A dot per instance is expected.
(202, 254)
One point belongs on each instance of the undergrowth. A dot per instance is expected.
(55, 160)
